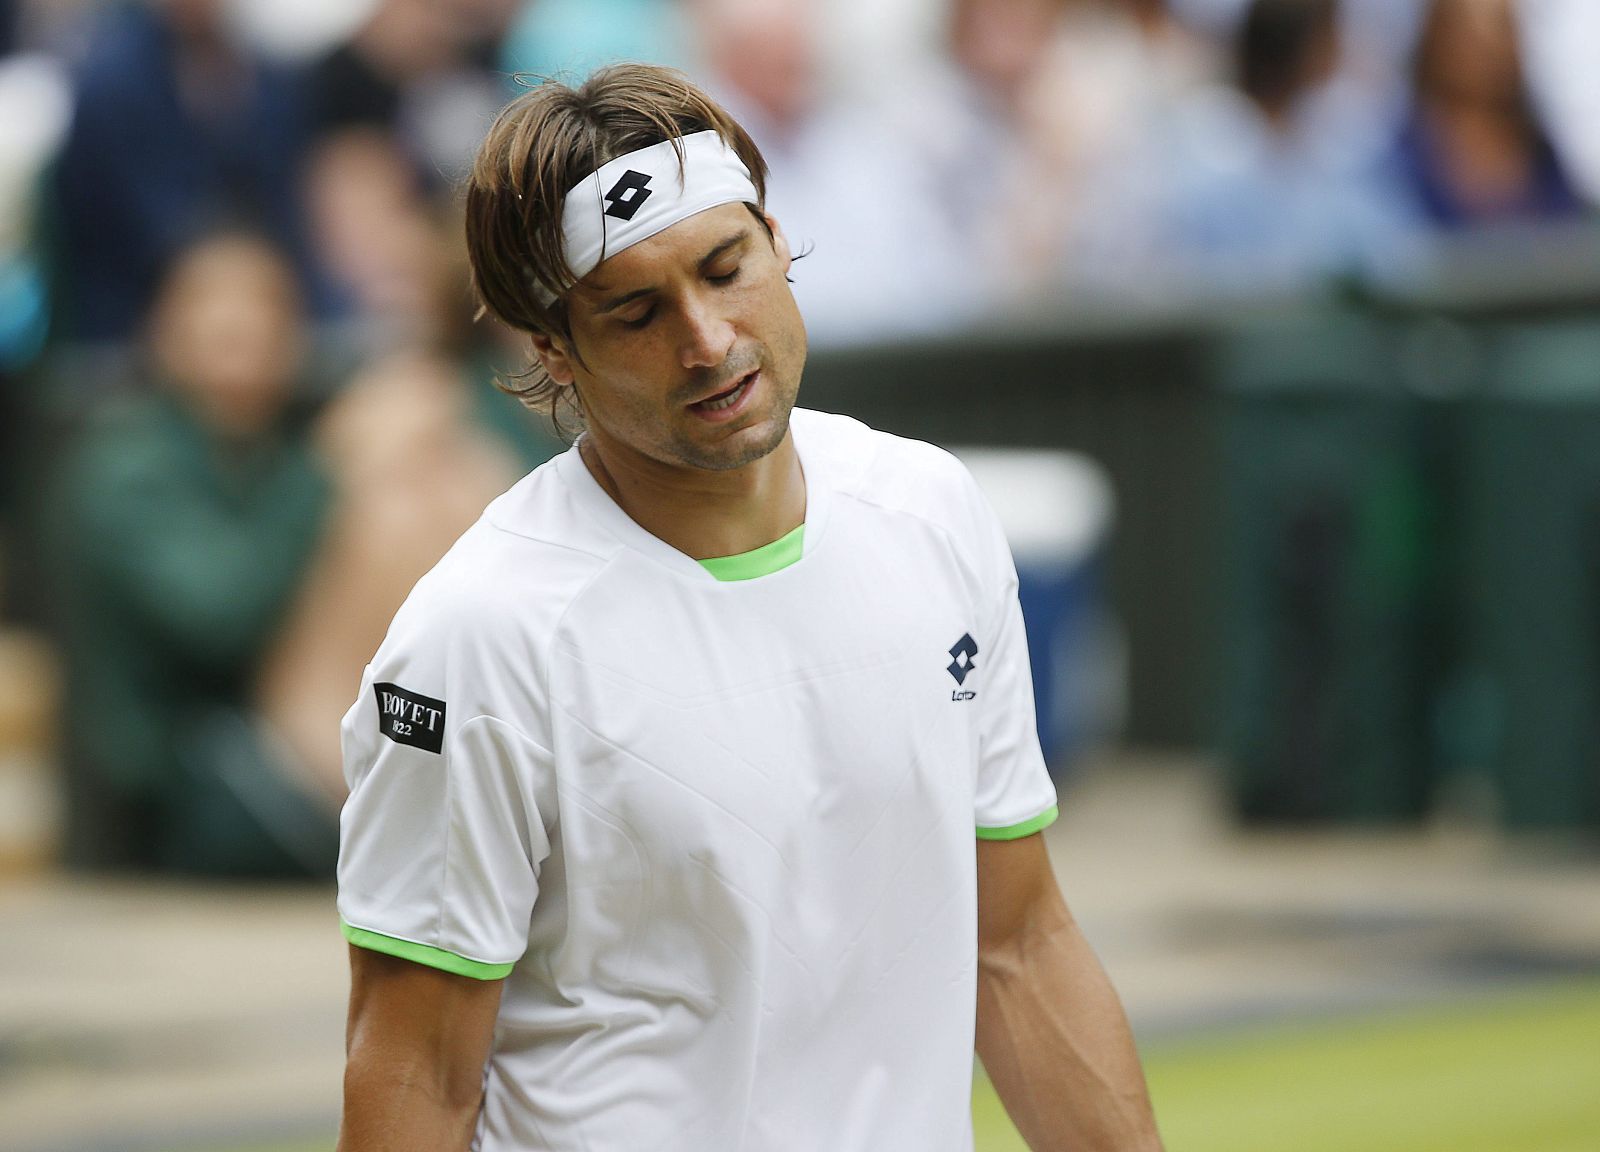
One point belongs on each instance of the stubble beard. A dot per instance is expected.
(741, 449)
(727, 457)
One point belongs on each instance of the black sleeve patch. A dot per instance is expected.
(410, 718)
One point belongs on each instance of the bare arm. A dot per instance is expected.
(415, 1050)
(1051, 1031)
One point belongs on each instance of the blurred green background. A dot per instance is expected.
(1511, 1075)
(1514, 1074)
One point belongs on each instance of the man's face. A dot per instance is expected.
(691, 345)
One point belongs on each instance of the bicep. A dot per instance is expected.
(1017, 891)
(421, 1022)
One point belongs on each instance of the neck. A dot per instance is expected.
(1489, 157)
(702, 513)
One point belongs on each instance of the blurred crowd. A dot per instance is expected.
(245, 400)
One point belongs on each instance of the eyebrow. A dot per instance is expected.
(740, 237)
(720, 249)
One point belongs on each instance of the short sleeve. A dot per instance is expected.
(1015, 796)
(441, 838)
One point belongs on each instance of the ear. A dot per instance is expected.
(780, 242)
(555, 358)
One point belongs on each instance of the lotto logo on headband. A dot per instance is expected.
(638, 195)
(628, 195)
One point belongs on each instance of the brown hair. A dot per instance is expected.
(1279, 47)
(543, 144)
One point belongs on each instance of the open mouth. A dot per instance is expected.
(726, 399)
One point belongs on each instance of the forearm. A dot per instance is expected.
(1056, 1044)
(395, 1105)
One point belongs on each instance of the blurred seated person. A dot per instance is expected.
(364, 204)
(399, 268)
(178, 130)
(1124, 67)
(490, 358)
(1024, 108)
(424, 71)
(201, 529)
(1472, 150)
(996, 143)
(1250, 188)
(413, 467)
(1558, 39)
(879, 263)
(188, 520)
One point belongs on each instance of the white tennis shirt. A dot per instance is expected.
(718, 836)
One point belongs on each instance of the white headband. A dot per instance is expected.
(637, 195)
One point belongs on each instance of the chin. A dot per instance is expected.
(744, 446)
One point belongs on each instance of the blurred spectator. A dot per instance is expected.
(1286, 50)
(1122, 72)
(1560, 36)
(413, 467)
(35, 110)
(1126, 64)
(365, 205)
(403, 282)
(571, 38)
(1180, 58)
(871, 49)
(486, 353)
(845, 187)
(178, 130)
(1007, 53)
(187, 522)
(228, 570)
(423, 71)
(1472, 150)
(1255, 187)
(35, 104)
(1001, 130)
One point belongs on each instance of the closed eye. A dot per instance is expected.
(637, 322)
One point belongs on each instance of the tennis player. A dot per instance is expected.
(695, 795)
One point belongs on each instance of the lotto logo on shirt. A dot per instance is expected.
(410, 717)
(962, 664)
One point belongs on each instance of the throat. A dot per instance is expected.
(707, 515)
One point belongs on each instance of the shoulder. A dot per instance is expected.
(482, 619)
(863, 457)
(892, 473)
(524, 560)
(919, 486)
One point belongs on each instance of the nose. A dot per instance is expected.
(707, 334)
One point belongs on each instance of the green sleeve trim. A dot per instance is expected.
(762, 561)
(422, 954)
(1026, 828)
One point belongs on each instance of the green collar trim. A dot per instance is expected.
(762, 561)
